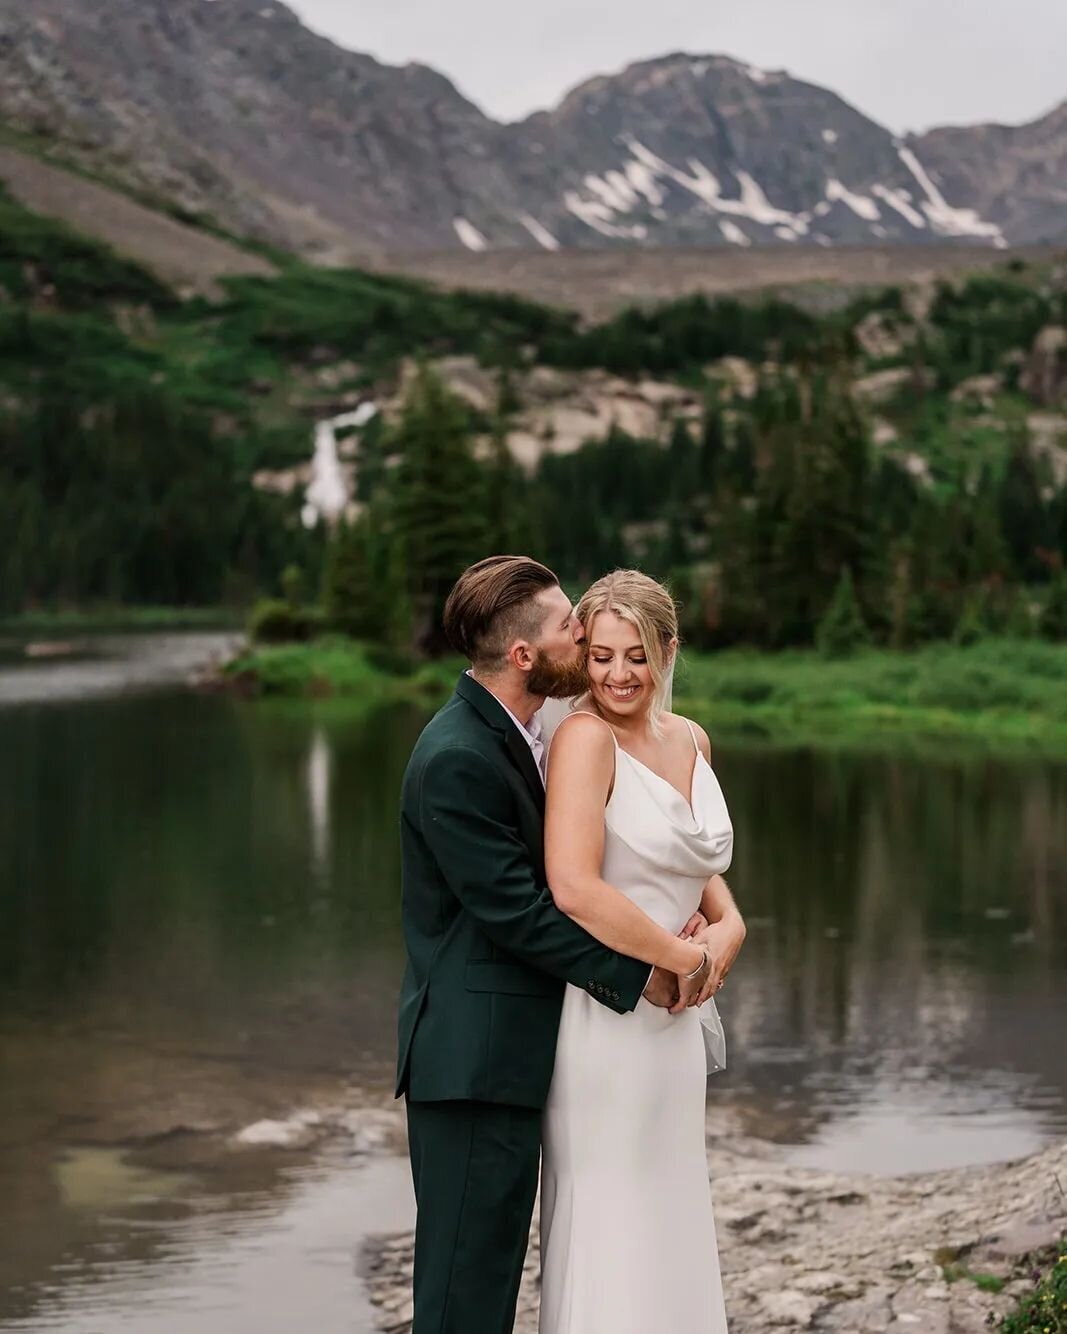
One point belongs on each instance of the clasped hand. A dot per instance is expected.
(722, 940)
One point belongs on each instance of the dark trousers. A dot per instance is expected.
(475, 1167)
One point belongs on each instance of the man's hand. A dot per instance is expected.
(696, 923)
(662, 989)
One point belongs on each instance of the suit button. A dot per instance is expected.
(600, 987)
(614, 995)
(591, 985)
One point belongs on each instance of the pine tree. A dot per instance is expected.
(683, 464)
(842, 630)
(1025, 521)
(436, 504)
(353, 582)
(973, 624)
(1019, 622)
(1054, 614)
(712, 449)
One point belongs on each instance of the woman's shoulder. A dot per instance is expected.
(584, 727)
(682, 728)
(583, 748)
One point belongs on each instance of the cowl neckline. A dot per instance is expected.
(648, 813)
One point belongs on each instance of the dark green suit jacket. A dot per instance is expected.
(488, 950)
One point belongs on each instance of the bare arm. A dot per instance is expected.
(717, 903)
(726, 930)
(580, 774)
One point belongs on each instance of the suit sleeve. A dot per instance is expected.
(468, 821)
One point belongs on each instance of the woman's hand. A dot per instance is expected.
(696, 923)
(689, 987)
(723, 941)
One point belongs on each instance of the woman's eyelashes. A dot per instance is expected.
(633, 662)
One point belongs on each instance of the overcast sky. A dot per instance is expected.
(908, 63)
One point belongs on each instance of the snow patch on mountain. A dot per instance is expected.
(540, 234)
(469, 234)
(861, 205)
(733, 233)
(700, 181)
(614, 189)
(943, 217)
(901, 201)
(599, 216)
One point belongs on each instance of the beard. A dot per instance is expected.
(557, 680)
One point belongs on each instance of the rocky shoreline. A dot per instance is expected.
(804, 1249)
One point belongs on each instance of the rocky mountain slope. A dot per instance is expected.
(232, 110)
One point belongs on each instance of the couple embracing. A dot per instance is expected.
(563, 923)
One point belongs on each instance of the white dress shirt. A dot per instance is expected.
(532, 732)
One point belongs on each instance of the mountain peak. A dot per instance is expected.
(233, 110)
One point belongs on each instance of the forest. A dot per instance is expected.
(132, 423)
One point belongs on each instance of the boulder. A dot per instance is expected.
(1044, 377)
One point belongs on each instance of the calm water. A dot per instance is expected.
(199, 930)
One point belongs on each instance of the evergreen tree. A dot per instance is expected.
(973, 624)
(842, 630)
(815, 505)
(712, 449)
(436, 503)
(1024, 519)
(683, 465)
(1019, 621)
(1054, 614)
(354, 593)
(506, 506)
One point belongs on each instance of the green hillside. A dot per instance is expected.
(893, 439)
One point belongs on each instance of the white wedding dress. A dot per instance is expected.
(627, 1232)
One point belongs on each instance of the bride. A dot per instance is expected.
(627, 1232)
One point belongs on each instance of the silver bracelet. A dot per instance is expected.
(691, 977)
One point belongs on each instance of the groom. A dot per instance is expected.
(488, 951)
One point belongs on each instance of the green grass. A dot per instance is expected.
(1001, 693)
(338, 667)
(1008, 693)
(1043, 1311)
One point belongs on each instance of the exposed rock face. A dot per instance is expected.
(236, 111)
(1014, 176)
(809, 1250)
(1044, 377)
(561, 410)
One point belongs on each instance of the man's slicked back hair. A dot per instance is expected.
(494, 603)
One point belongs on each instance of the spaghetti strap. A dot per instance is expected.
(588, 713)
(693, 734)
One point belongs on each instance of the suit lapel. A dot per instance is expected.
(521, 753)
(492, 712)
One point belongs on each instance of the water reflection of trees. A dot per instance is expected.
(909, 919)
(221, 879)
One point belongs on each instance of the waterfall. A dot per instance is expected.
(328, 493)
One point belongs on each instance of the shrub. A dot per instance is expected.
(276, 622)
(1043, 1311)
(1054, 615)
(973, 624)
(842, 630)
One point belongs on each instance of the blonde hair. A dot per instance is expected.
(650, 609)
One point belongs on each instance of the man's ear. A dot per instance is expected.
(520, 655)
